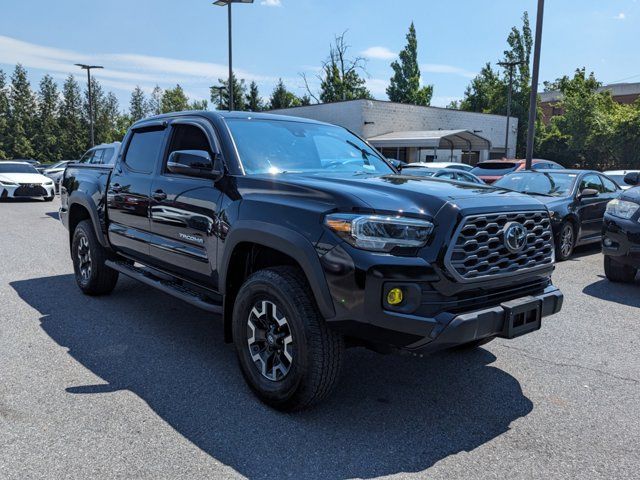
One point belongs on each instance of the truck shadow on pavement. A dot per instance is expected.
(390, 414)
(625, 294)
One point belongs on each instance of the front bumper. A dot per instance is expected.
(21, 191)
(621, 239)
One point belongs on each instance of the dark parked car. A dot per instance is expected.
(576, 200)
(492, 170)
(621, 233)
(307, 241)
(445, 173)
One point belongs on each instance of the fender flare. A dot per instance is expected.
(290, 243)
(84, 200)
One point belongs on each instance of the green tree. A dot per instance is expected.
(254, 102)
(4, 116)
(111, 119)
(46, 140)
(174, 100)
(340, 79)
(73, 134)
(405, 83)
(22, 108)
(220, 94)
(154, 104)
(198, 105)
(282, 98)
(484, 92)
(138, 106)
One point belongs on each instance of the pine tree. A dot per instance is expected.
(22, 107)
(4, 116)
(282, 98)
(101, 123)
(254, 102)
(73, 135)
(220, 94)
(111, 119)
(154, 104)
(138, 106)
(174, 100)
(46, 139)
(405, 83)
(198, 105)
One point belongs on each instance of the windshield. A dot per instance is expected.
(282, 146)
(554, 184)
(17, 168)
(491, 169)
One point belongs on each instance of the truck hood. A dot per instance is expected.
(390, 193)
(24, 178)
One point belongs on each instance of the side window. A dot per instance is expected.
(591, 181)
(108, 158)
(448, 175)
(86, 158)
(144, 149)
(609, 186)
(466, 178)
(188, 137)
(97, 157)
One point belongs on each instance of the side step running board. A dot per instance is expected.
(174, 288)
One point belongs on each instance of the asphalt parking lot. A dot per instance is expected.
(139, 385)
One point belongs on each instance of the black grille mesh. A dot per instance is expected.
(478, 250)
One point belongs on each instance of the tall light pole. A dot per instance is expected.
(510, 66)
(227, 3)
(533, 98)
(88, 69)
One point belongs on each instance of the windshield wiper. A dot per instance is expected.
(365, 154)
(537, 193)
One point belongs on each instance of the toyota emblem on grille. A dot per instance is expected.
(515, 237)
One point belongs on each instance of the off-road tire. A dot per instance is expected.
(317, 351)
(100, 279)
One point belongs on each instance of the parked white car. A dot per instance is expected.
(22, 180)
(618, 177)
(456, 165)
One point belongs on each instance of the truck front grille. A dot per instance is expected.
(478, 248)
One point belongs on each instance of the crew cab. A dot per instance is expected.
(621, 233)
(306, 241)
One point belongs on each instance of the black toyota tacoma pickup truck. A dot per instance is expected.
(306, 241)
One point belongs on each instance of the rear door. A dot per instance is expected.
(184, 209)
(130, 187)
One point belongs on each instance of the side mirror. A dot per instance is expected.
(632, 178)
(589, 193)
(195, 163)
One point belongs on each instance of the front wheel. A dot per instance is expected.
(287, 354)
(566, 241)
(618, 272)
(92, 275)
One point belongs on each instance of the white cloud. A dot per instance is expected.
(271, 3)
(380, 53)
(620, 16)
(377, 87)
(450, 69)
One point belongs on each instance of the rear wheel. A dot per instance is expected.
(92, 275)
(618, 272)
(287, 354)
(566, 241)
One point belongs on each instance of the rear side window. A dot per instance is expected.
(494, 168)
(609, 186)
(109, 157)
(144, 149)
(97, 157)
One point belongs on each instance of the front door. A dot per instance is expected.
(129, 190)
(591, 209)
(184, 209)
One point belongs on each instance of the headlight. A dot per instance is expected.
(8, 184)
(622, 208)
(380, 233)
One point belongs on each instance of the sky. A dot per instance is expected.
(164, 42)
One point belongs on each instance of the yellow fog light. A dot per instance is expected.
(394, 297)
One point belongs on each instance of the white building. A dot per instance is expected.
(413, 133)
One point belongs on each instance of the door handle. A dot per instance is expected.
(115, 188)
(159, 195)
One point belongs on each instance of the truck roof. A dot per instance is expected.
(217, 114)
